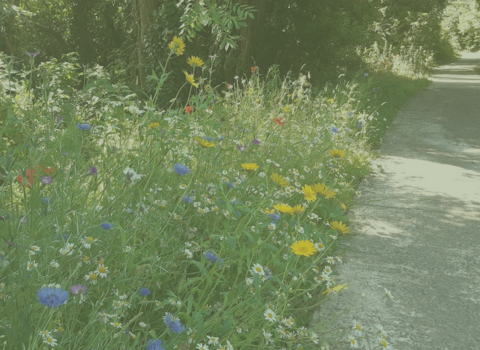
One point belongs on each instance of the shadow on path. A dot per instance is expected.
(416, 227)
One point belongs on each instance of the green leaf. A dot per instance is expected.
(232, 243)
(227, 324)
(199, 318)
(250, 237)
(189, 304)
(202, 269)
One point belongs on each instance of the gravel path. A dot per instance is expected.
(416, 226)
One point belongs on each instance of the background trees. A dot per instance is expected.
(130, 36)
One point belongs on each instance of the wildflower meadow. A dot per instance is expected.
(213, 224)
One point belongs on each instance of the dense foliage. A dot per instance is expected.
(461, 22)
(129, 37)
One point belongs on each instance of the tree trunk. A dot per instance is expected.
(239, 59)
(80, 31)
(145, 10)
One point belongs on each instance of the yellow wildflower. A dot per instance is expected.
(340, 227)
(204, 143)
(305, 248)
(190, 79)
(324, 190)
(178, 45)
(309, 193)
(279, 179)
(283, 208)
(250, 166)
(337, 153)
(195, 61)
(153, 125)
(298, 209)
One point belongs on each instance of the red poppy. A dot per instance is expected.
(279, 121)
(253, 69)
(31, 174)
(188, 109)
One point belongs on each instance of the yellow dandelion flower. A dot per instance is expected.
(305, 248)
(195, 61)
(337, 153)
(153, 125)
(178, 45)
(287, 109)
(283, 208)
(331, 100)
(279, 180)
(250, 166)
(340, 227)
(190, 79)
(344, 207)
(309, 193)
(298, 209)
(324, 190)
(204, 143)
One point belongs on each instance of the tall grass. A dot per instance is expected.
(173, 219)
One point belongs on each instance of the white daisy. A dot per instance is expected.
(270, 315)
(257, 268)
(31, 265)
(212, 340)
(92, 277)
(102, 270)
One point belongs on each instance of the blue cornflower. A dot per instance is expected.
(154, 344)
(83, 126)
(210, 138)
(374, 90)
(221, 138)
(144, 291)
(275, 216)
(181, 169)
(106, 226)
(229, 184)
(349, 114)
(212, 257)
(52, 297)
(359, 125)
(187, 199)
(174, 325)
(45, 200)
(365, 74)
(64, 236)
(334, 129)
